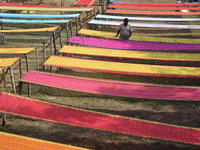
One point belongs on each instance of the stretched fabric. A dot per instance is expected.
(38, 6)
(50, 29)
(32, 21)
(70, 9)
(11, 6)
(145, 25)
(131, 45)
(111, 35)
(8, 62)
(16, 50)
(149, 12)
(99, 16)
(158, 4)
(111, 87)
(9, 15)
(40, 110)
(84, 2)
(123, 68)
(164, 56)
(13, 141)
(152, 8)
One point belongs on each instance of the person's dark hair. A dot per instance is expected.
(126, 20)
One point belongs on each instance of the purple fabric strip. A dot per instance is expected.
(131, 45)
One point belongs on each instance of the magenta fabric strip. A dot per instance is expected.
(37, 109)
(109, 87)
(131, 45)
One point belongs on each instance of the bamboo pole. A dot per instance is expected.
(76, 25)
(67, 29)
(5, 75)
(20, 67)
(71, 28)
(20, 87)
(37, 57)
(3, 120)
(51, 47)
(44, 54)
(13, 81)
(60, 34)
(4, 78)
(29, 89)
(54, 42)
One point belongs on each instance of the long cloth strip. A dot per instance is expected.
(114, 88)
(164, 56)
(8, 62)
(145, 25)
(123, 68)
(9, 15)
(152, 8)
(17, 50)
(149, 12)
(99, 16)
(40, 110)
(50, 29)
(10, 6)
(131, 45)
(84, 2)
(39, 6)
(16, 142)
(158, 4)
(111, 35)
(32, 21)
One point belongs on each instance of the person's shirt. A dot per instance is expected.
(125, 31)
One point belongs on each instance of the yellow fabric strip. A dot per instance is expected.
(19, 50)
(11, 141)
(7, 62)
(1, 69)
(50, 29)
(130, 54)
(111, 35)
(125, 68)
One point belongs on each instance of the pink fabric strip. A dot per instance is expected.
(30, 108)
(108, 87)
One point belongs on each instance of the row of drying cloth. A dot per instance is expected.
(41, 110)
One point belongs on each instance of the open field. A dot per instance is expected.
(173, 112)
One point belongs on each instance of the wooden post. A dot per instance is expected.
(103, 7)
(26, 58)
(71, 27)
(60, 34)
(80, 20)
(76, 25)
(13, 81)
(54, 43)
(20, 67)
(1, 25)
(51, 47)
(4, 79)
(94, 12)
(44, 54)
(3, 120)
(67, 31)
(51, 69)
(29, 89)
(20, 87)
(37, 57)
